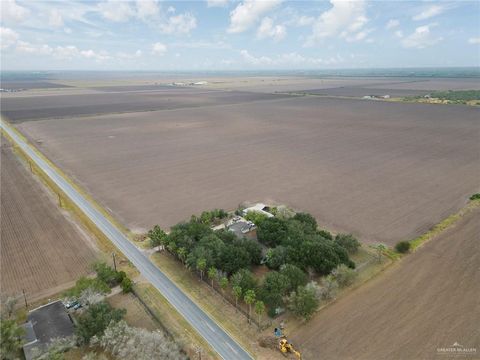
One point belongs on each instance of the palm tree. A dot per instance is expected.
(237, 292)
(249, 299)
(260, 310)
(212, 274)
(201, 266)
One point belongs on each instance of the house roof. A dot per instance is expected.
(44, 324)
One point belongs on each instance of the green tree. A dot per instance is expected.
(249, 299)
(303, 302)
(344, 275)
(212, 274)
(296, 277)
(273, 289)
(107, 274)
(276, 257)
(348, 242)
(127, 285)
(259, 310)
(307, 220)
(223, 284)
(11, 339)
(234, 258)
(256, 217)
(95, 319)
(201, 266)
(244, 279)
(272, 231)
(182, 254)
(402, 247)
(157, 236)
(237, 293)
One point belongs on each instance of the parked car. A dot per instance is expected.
(71, 303)
(77, 306)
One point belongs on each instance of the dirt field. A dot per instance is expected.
(40, 250)
(427, 301)
(19, 109)
(384, 171)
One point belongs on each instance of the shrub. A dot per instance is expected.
(126, 285)
(403, 247)
(329, 288)
(475, 196)
(348, 242)
(344, 275)
(256, 217)
(157, 236)
(95, 320)
(304, 302)
(84, 283)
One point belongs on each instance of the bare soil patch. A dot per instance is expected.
(427, 301)
(40, 251)
(383, 171)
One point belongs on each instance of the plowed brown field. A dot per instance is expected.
(41, 251)
(428, 301)
(384, 171)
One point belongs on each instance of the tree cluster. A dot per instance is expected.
(200, 248)
(297, 241)
(95, 320)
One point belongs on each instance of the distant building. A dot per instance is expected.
(44, 324)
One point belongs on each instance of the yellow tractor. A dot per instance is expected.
(285, 348)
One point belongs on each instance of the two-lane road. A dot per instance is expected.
(218, 339)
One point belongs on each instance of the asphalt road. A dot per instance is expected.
(218, 339)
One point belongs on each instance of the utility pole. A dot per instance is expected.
(114, 262)
(25, 298)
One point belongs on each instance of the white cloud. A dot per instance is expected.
(421, 38)
(97, 56)
(268, 29)
(217, 3)
(343, 19)
(171, 9)
(159, 49)
(128, 56)
(179, 24)
(12, 12)
(117, 11)
(429, 12)
(247, 14)
(399, 34)
(392, 23)
(305, 20)
(288, 60)
(474, 40)
(8, 37)
(35, 49)
(361, 35)
(66, 52)
(55, 18)
(147, 8)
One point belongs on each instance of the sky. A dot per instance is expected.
(237, 35)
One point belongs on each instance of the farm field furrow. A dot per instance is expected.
(383, 171)
(428, 301)
(41, 250)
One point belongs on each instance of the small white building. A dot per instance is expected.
(257, 208)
